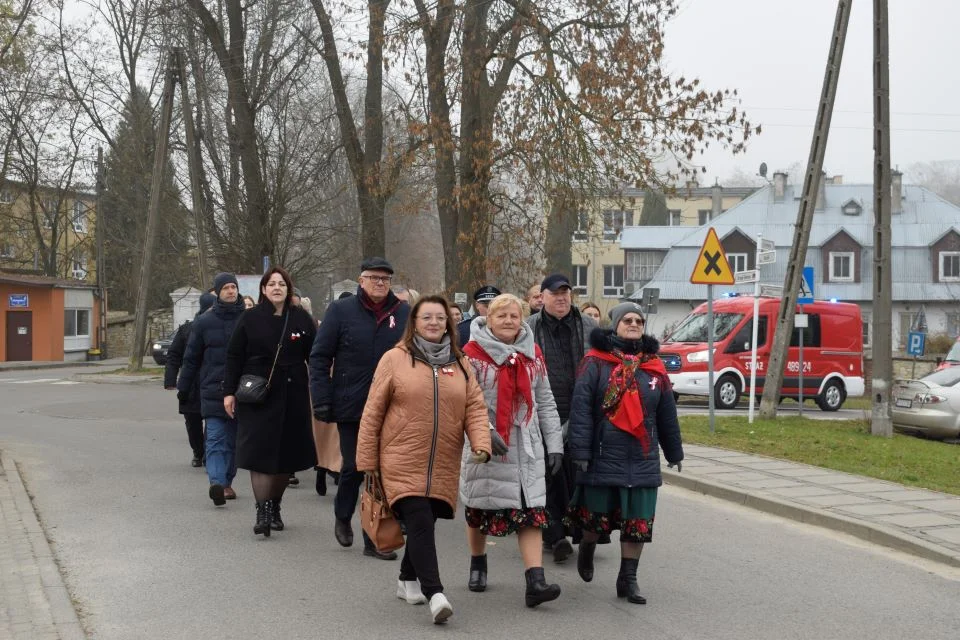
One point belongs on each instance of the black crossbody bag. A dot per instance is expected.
(254, 389)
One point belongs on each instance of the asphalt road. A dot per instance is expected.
(146, 555)
(810, 410)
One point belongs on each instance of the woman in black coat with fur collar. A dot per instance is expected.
(275, 438)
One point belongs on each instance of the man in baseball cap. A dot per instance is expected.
(482, 298)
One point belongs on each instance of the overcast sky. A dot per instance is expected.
(775, 52)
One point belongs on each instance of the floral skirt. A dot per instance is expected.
(503, 522)
(602, 509)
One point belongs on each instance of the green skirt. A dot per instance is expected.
(603, 509)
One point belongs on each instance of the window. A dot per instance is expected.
(741, 341)
(580, 279)
(79, 270)
(703, 216)
(841, 266)
(852, 208)
(615, 221)
(80, 216)
(583, 225)
(674, 218)
(643, 265)
(7, 250)
(6, 196)
(949, 266)
(867, 331)
(76, 323)
(737, 261)
(612, 280)
(907, 320)
(953, 324)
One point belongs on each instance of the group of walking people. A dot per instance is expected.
(546, 427)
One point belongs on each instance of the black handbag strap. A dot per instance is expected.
(283, 333)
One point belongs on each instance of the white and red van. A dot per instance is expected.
(832, 351)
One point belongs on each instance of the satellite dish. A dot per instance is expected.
(763, 169)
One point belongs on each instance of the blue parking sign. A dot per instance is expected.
(916, 341)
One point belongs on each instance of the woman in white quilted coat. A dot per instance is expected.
(508, 495)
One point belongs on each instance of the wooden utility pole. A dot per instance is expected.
(193, 166)
(881, 423)
(808, 203)
(153, 214)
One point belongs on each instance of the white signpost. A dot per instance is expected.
(746, 277)
(766, 254)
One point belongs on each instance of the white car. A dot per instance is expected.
(929, 406)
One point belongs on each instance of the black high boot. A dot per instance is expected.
(478, 573)
(276, 523)
(627, 581)
(263, 520)
(538, 591)
(585, 560)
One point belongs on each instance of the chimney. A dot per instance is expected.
(716, 200)
(822, 192)
(838, 179)
(779, 185)
(692, 183)
(896, 192)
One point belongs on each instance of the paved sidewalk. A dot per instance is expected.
(32, 365)
(34, 602)
(916, 521)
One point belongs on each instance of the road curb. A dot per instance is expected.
(48, 365)
(106, 378)
(61, 606)
(873, 533)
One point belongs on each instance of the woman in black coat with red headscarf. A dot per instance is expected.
(275, 438)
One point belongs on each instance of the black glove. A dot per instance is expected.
(678, 465)
(323, 413)
(555, 461)
(499, 447)
(581, 465)
(183, 397)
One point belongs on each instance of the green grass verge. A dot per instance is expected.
(843, 445)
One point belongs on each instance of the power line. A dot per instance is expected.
(896, 113)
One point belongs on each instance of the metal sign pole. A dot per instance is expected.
(801, 365)
(711, 402)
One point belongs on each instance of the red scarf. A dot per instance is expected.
(514, 384)
(379, 309)
(623, 400)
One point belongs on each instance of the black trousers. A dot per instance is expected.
(420, 555)
(559, 493)
(348, 491)
(194, 422)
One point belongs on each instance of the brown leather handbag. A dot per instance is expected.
(376, 517)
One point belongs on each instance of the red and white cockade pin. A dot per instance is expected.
(296, 336)
(393, 322)
(447, 370)
(653, 383)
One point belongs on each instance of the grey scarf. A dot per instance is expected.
(436, 353)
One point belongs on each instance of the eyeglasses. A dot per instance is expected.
(379, 279)
(636, 321)
(440, 319)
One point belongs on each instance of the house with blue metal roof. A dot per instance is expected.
(925, 257)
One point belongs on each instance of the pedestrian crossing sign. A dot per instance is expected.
(712, 266)
(805, 295)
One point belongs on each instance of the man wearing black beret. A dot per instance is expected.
(482, 298)
(355, 333)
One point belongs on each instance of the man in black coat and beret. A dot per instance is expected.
(482, 298)
(355, 333)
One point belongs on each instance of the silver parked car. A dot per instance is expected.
(929, 406)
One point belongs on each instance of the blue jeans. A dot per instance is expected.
(221, 450)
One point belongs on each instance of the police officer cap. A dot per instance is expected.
(486, 293)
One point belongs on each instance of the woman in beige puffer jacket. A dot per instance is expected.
(423, 400)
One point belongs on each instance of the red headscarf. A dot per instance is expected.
(623, 401)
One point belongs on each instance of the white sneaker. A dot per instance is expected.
(440, 608)
(409, 590)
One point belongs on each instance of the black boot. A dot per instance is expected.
(538, 591)
(263, 520)
(276, 523)
(321, 485)
(627, 581)
(585, 560)
(478, 573)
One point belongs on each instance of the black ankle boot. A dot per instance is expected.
(627, 581)
(538, 591)
(321, 485)
(263, 519)
(275, 522)
(585, 560)
(478, 573)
